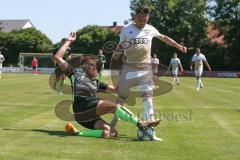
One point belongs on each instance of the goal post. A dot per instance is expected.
(45, 62)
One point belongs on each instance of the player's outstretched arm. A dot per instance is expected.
(206, 63)
(181, 68)
(60, 53)
(191, 65)
(171, 42)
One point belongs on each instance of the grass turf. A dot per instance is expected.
(196, 125)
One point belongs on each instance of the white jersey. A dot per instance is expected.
(198, 61)
(174, 63)
(1, 61)
(155, 61)
(137, 43)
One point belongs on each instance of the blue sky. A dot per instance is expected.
(56, 18)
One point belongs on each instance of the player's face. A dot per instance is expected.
(198, 51)
(141, 19)
(175, 55)
(91, 69)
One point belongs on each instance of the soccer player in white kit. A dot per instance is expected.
(1, 61)
(155, 63)
(136, 41)
(175, 63)
(197, 60)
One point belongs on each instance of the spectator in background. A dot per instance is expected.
(155, 63)
(101, 59)
(34, 65)
(1, 61)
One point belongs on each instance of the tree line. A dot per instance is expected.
(189, 22)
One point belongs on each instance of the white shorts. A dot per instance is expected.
(175, 72)
(131, 77)
(198, 72)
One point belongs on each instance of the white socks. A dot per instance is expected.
(148, 110)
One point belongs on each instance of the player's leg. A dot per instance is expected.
(105, 107)
(123, 88)
(146, 91)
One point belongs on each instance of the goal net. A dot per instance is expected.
(45, 62)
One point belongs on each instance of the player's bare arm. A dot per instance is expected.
(171, 42)
(60, 53)
(111, 89)
(206, 63)
(181, 68)
(117, 52)
(191, 65)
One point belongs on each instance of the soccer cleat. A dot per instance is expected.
(69, 128)
(155, 138)
(143, 125)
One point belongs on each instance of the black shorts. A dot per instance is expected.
(84, 109)
(34, 67)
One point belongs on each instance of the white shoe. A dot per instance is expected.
(155, 138)
(198, 88)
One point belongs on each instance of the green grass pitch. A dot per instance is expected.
(196, 125)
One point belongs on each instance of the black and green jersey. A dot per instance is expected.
(101, 58)
(82, 85)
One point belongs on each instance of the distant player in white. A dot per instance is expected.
(175, 63)
(136, 42)
(155, 63)
(1, 61)
(197, 60)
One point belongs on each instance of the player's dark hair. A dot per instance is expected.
(143, 9)
(86, 59)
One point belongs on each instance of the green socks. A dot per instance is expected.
(91, 133)
(126, 115)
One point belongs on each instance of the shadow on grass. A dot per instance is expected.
(50, 132)
(121, 137)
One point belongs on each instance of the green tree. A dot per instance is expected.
(92, 38)
(226, 16)
(25, 40)
(182, 20)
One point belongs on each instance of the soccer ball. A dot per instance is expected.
(146, 135)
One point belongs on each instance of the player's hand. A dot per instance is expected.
(210, 69)
(181, 48)
(191, 68)
(116, 55)
(72, 37)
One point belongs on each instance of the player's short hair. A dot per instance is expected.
(142, 9)
(86, 59)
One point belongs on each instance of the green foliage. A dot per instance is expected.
(25, 40)
(182, 20)
(226, 15)
(92, 38)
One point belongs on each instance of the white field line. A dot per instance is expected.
(225, 125)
